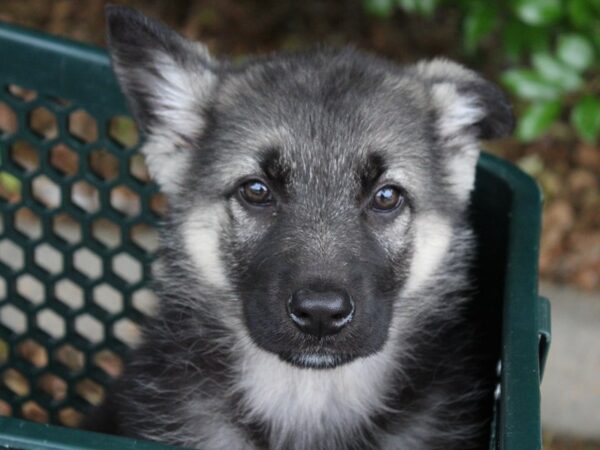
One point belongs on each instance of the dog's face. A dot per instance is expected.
(320, 190)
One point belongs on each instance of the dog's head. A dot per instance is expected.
(321, 189)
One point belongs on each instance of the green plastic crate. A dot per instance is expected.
(77, 214)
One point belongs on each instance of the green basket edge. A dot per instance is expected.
(22, 434)
(71, 61)
(519, 408)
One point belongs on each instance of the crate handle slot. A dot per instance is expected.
(544, 331)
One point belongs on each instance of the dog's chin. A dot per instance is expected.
(316, 360)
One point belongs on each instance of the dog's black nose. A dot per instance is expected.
(320, 313)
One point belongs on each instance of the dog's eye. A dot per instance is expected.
(256, 193)
(387, 198)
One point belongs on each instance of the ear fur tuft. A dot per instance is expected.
(167, 80)
(465, 101)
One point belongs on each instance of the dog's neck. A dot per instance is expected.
(297, 404)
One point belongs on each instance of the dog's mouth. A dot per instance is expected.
(316, 360)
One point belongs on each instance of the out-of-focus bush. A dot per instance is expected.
(549, 51)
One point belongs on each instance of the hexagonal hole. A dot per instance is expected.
(48, 258)
(106, 232)
(20, 93)
(4, 351)
(71, 357)
(86, 196)
(123, 131)
(43, 123)
(83, 126)
(46, 192)
(34, 412)
(11, 255)
(2, 289)
(88, 263)
(90, 328)
(64, 159)
(127, 268)
(127, 332)
(53, 386)
(28, 223)
(104, 164)
(158, 204)
(145, 237)
(125, 201)
(70, 417)
(145, 301)
(69, 293)
(109, 362)
(62, 102)
(5, 409)
(108, 298)
(16, 382)
(138, 168)
(51, 323)
(13, 318)
(24, 155)
(31, 288)
(67, 228)
(10, 187)
(33, 352)
(91, 391)
(9, 123)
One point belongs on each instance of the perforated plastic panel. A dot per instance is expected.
(77, 217)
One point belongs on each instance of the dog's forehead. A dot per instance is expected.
(326, 118)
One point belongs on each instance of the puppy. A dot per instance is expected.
(314, 272)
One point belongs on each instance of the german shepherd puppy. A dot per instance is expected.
(314, 266)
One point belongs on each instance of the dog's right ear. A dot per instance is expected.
(168, 80)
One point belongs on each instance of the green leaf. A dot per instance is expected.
(556, 72)
(478, 24)
(512, 39)
(536, 119)
(594, 35)
(519, 38)
(575, 51)
(379, 8)
(427, 7)
(530, 85)
(580, 13)
(538, 12)
(585, 117)
(10, 183)
(410, 6)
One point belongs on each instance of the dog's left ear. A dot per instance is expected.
(465, 103)
(168, 81)
(466, 108)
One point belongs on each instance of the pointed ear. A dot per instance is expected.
(465, 102)
(167, 81)
(467, 108)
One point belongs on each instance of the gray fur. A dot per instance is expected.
(212, 372)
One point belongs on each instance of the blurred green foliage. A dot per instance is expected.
(550, 50)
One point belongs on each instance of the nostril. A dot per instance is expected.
(320, 313)
(339, 316)
(302, 315)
